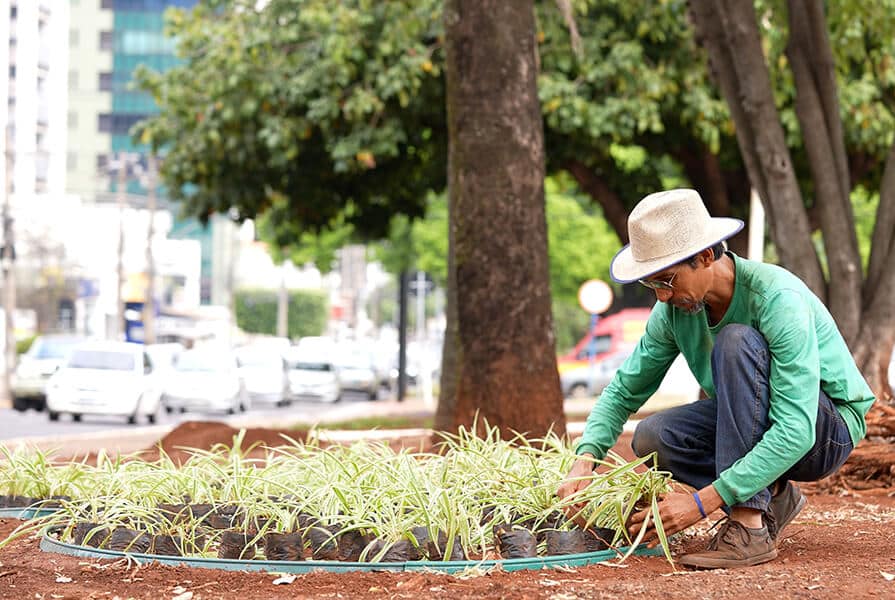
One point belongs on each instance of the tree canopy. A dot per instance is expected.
(320, 114)
(313, 109)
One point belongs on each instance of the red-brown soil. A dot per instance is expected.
(842, 545)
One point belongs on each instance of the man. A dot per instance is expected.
(785, 399)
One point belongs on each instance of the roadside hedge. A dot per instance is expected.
(256, 312)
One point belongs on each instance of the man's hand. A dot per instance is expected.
(677, 511)
(575, 482)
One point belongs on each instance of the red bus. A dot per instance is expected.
(620, 330)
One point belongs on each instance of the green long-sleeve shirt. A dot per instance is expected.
(807, 354)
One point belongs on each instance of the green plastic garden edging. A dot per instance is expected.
(48, 544)
(26, 513)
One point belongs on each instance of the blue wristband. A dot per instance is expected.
(699, 505)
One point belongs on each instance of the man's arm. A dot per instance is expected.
(636, 380)
(794, 386)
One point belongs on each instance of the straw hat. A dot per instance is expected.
(666, 228)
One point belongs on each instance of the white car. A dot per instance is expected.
(105, 378)
(357, 373)
(46, 354)
(590, 380)
(205, 380)
(312, 377)
(263, 372)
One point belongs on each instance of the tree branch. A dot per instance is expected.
(730, 31)
(831, 197)
(825, 77)
(881, 245)
(613, 208)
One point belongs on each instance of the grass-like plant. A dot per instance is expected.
(458, 494)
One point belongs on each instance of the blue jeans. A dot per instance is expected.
(698, 441)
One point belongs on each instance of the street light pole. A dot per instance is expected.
(7, 258)
(119, 299)
(149, 296)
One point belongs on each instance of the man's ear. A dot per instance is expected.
(706, 257)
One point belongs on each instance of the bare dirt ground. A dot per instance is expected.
(842, 545)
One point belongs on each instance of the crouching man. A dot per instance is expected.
(786, 400)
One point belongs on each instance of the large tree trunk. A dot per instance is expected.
(729, 31)
(873, 347)
(504, 361)
(865, 314)
(817, 107)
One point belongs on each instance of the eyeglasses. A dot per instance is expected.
(658, 284)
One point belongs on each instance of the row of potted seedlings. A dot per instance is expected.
(235, 536)
(479, 497)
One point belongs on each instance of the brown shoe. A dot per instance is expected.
(733, 546)
(784, 507)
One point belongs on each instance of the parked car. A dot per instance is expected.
(46, 354)
(589, 380)
(611, 335)
(357, 373)
(163, 356)
(205, 380)
(263, 372)
(312, 376)
(105, 378)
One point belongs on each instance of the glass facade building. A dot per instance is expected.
(138, 38)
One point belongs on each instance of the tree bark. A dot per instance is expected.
(873, 348)
(881, 247)
(704, 172)
(504, 367)
(729, 31)
(815, 111)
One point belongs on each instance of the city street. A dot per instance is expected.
(14, 424)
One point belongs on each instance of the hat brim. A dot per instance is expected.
(626, 269)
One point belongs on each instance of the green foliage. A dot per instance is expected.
(23, 344)
(419, 244)
(286, 240)
(316, 111)
(580, 246)
(862, 37)
(256, 312)
(570, 322)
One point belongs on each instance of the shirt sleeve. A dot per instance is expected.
(787, 325)
(636, 380)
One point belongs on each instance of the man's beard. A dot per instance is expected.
(692, 308)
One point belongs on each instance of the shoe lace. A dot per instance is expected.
(730, 532)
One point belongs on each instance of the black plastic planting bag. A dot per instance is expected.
(565, 542)
(284, 546)
(515, 542)
(166, 545)
(128, 540)
(351, 544)
(12, 501)
(437, 550)
(324, 542)
(225, 517)
(236, 545)
(400, 551)
(598, 538)
(88, 533)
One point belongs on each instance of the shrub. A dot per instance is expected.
(256, 312)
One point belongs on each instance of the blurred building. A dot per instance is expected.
(35, 87)
(33, 138)
(108, 40)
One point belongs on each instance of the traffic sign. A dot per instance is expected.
(415, 284)
(595, 296)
